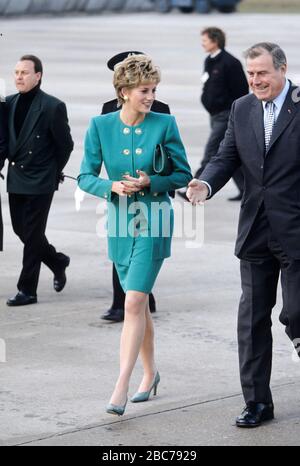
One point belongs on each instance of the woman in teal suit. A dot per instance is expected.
(140, 215)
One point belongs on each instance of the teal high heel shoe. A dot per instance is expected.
(144, 396)
(116, 409)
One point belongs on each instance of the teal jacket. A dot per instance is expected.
(123, 150)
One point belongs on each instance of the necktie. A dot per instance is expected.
(270, 121)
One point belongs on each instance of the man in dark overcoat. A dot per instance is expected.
(40, 145)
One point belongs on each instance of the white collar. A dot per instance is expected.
(215, 54)
(279, 100)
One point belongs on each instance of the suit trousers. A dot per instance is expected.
(262, 261)
(218, 124)
(29, 215)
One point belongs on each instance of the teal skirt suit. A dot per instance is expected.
(139, 226)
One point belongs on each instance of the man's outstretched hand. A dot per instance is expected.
(197, 192)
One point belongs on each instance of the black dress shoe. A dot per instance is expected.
(254, 414)
(60, 278)
(21, 299)
(236, 198)
(116, 315)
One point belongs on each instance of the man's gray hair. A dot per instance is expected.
(278, 55)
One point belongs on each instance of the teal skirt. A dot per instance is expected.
(142, 271)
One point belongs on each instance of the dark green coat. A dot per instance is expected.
(44, 145)
(124, 149)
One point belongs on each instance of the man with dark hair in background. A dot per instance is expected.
(224, 81)
(40, 145)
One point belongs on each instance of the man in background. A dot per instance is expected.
(40, 145)
(224, 81)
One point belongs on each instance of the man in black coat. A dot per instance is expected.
(224, 81)
(40, 145)
(3, 155)
(116, 311)
(263, 137)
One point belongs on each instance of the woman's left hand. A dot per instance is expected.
(143, 181)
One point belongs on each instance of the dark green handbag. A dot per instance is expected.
(162, 162)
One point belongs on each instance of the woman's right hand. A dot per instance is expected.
(124, 188)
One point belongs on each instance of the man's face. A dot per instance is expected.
(25, 76)
(264, 80)
(209, 45)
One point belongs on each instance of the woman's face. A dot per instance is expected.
(140, 99)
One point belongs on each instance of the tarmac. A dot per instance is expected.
(61, 359)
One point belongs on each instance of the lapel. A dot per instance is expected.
(258, 124)
(31, 118)
(286, 115)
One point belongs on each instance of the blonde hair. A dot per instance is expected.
(132, 72)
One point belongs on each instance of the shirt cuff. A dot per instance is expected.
(209, 188)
